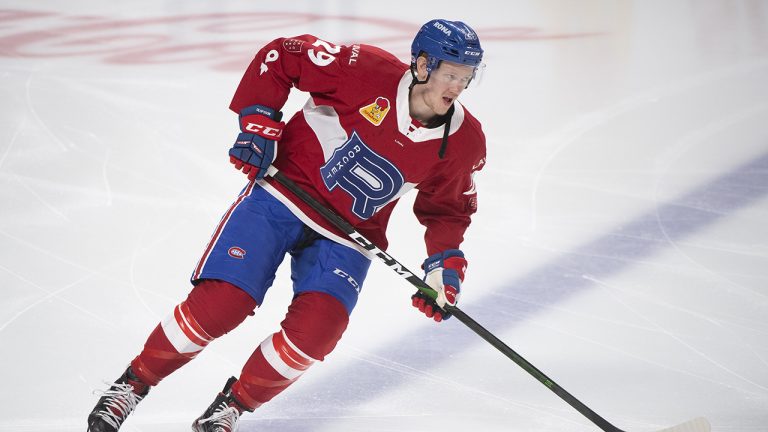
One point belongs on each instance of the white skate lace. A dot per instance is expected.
(121, 400)
(224, 419)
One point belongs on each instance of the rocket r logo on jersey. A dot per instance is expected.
(369, 178)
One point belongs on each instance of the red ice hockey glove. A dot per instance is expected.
(254, 149)
(444, 273)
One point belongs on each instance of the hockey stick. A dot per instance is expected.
(696, 425)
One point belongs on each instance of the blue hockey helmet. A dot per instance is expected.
(453, 41)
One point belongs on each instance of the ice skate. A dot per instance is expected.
(117, 402)
(222, 415)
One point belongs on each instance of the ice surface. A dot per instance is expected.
(620, 246)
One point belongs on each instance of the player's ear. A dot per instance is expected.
(421, 68)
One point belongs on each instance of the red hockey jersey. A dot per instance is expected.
(354, 146)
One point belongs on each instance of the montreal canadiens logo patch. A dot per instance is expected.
(376, 111)
(236, 252)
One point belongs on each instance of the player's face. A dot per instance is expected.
(445, 85)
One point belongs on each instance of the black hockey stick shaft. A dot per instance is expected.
(400, 269)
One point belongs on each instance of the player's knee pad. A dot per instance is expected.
(212, 309)
(312, 327)
(314, 323)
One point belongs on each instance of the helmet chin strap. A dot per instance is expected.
(447, 126)
(416, 79)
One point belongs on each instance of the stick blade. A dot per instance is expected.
(696, 425)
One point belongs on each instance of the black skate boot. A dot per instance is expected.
(223, 414)
(117, 402)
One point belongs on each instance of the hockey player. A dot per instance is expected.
(372, 129)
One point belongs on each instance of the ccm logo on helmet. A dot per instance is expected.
(442, 28)
(236, 252)
(264, 131)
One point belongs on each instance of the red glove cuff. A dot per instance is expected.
(456, 263)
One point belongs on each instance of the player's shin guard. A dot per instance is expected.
(212, 309)
(312, 327)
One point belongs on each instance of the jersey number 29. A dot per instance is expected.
(323, 58)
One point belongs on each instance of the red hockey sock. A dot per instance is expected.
(212, 309)
(311, 328)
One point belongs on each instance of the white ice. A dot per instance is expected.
(620, 246)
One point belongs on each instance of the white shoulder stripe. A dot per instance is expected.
(324, 122)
